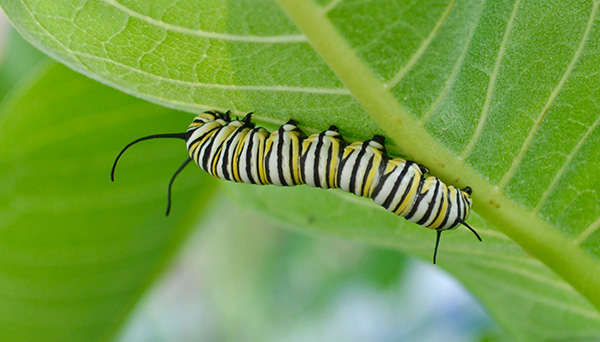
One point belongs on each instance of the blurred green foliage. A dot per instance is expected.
(18, 59)
(243, 278)
(76, 252)
(497, 95)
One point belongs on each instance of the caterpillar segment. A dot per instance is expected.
(237, 151)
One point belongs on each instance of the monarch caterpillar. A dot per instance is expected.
(238, 151)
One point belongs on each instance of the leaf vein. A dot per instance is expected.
(279, 88)
(563, 80)
(563, 168)
(282, 39)
(591, 229)
(422, 48)
(545, 300)
(517, 266)
(331, 5)
(54, 39)
(457, 66)
(492, 83)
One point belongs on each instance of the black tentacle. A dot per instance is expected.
(182, 136)
(185, 163)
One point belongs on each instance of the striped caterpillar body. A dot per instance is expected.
(238, 151)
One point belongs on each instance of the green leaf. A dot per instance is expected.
(496, 95)
(77, 251)
(18, 59)
(525, 297)
(503, 143)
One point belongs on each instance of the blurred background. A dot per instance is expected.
(243, 277)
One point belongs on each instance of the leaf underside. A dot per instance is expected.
(496, 95)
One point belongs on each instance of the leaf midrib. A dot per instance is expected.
(539, 238)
